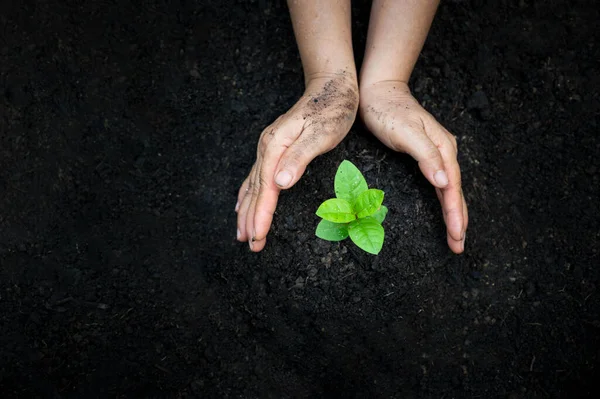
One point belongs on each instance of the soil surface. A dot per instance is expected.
(126, 129)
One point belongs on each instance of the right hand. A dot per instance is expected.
(393, 115)
(317, 123)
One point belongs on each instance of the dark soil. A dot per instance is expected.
(126, 129)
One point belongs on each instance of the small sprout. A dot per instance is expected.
(357, 211)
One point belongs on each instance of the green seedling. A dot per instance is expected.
(357, 211)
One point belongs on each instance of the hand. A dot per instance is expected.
(392, 114)
(314, 125)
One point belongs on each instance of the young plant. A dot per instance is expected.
(357, 211)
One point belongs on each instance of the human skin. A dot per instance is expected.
(324, 114)
(316, 124)
(397, 32)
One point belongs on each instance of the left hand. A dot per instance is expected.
(314, 125)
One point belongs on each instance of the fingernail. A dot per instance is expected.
(239, 233)
(441, 178)
(237, 206)
(283, 178)
(250, 243)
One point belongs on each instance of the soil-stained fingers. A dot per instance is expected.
(262, 207)
(313, 126)
(282, 170)
(260, 183)
(244, 198)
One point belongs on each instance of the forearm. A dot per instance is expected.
(323, 33)
(397, 32)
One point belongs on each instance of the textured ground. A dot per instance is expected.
(125, 131)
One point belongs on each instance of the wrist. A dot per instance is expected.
(345, 77)
(333, 89)
(390, 90)
(398, 82)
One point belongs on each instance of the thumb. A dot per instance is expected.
(294, 160)
(416, 142)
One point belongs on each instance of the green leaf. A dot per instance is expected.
(332, 231)
(368, 202)
(367, 234)
(380, 214)
(336, 210)
(349, 182)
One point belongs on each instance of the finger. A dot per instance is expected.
(455, 246)
(252, 207)
(255, 184)
(268, 193)
(297, 156)
(450, 219)
(244, 207)
(417, 143)
(452, 199)
(265, 206)
(252, 188)
(451, 196)
(453, 211)
(465, 220)
(465, 212)
(242, 193)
